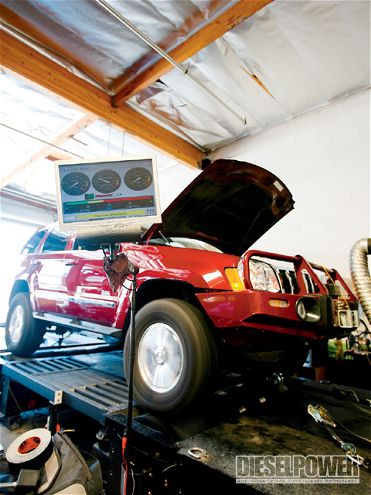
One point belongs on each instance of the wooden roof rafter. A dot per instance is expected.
(29, 63)
(27, 60)
(125, 87)
(18, 25)
(69, 131)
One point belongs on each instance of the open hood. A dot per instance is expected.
(229, 205)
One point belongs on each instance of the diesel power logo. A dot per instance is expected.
(296, 469)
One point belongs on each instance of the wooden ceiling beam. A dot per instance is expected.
(230, 18)
(24, 26)
(27, 62)
(70, 130)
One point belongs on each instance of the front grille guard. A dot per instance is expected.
(303, 279)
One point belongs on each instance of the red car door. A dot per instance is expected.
(49, 273)
(89, 294)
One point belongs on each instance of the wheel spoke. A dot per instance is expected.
(151, 363)
(161, 335)
(175, 365)
(151, 340)
(164, 377)
(156, 377)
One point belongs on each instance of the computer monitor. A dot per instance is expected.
(108, 196)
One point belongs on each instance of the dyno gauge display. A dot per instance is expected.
(107, 196)
(138, 178)
(106, 181)
(75, 183)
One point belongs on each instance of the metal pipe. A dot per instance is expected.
(111, 10)
(361, 275)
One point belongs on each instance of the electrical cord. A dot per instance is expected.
(129, 380)
(320, 415)
(118, 267)
(365, 439)
(124, 442)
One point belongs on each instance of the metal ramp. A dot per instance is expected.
(81, 382)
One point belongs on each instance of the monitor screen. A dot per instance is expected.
(107, 196)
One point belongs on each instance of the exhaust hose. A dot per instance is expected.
(360, 274)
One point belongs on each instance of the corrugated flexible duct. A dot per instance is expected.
(361, 275)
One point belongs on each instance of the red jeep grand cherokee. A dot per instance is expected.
(201, 295)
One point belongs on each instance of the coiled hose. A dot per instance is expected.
(361, 275)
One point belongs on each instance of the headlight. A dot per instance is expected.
(263, 276)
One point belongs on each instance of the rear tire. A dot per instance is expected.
(175, 355)
(23, 334)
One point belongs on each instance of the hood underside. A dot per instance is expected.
(230, 205)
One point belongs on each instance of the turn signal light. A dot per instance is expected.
(278, 303)
(234, 279)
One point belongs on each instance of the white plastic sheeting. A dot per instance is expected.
(287, 59)
(89, 38)
(305, 54)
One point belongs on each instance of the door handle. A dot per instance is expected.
(70, 263)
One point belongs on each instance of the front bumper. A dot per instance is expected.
(273, 312)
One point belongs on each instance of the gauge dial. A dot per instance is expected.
(75, 183)
(106, 181)
(138, 178)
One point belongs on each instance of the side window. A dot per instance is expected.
(56, 241)
(31, 244)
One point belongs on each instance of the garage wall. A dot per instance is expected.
(324, 159)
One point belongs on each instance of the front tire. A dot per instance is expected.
(22, 333)
(175, 355)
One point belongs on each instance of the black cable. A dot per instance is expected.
(130, 378)
(130, 382)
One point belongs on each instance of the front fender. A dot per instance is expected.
(202, 269)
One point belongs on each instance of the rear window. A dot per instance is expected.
(33, 242)
(56, 241)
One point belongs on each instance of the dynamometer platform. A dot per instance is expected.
(92, 384)
(212, 443)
